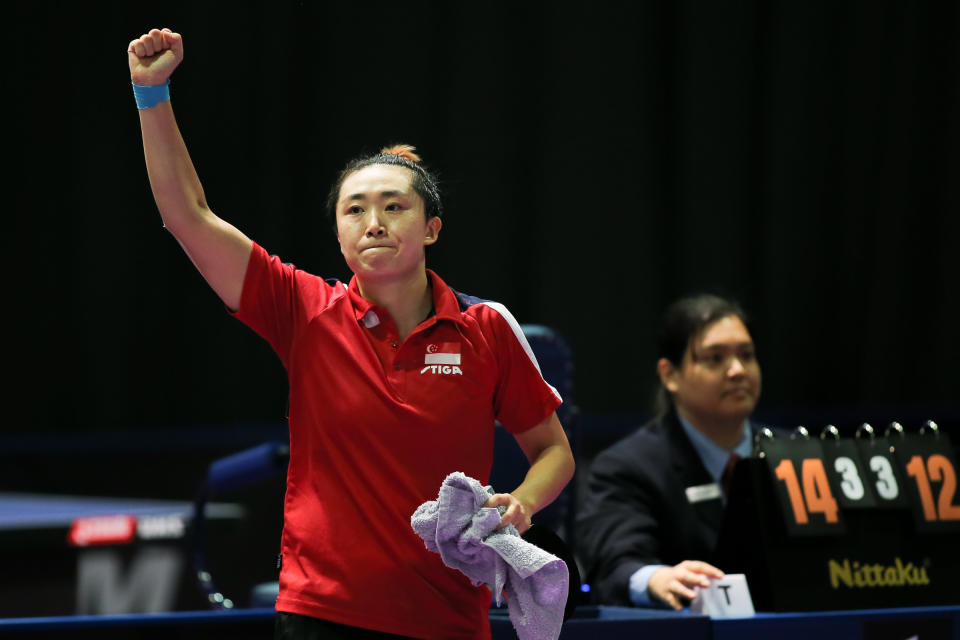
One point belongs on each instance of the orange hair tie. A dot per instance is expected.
(402, 150)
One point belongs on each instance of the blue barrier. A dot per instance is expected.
(247, 467)
(589, 623)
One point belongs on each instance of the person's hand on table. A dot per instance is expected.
(675, 585)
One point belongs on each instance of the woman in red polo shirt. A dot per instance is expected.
(396, 380)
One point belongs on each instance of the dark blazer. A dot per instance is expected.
(637, 512)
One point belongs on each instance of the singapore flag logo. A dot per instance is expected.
(442, 358)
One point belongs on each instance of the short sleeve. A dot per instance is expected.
(523, 399)
(278, 300)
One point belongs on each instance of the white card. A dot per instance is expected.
(728, 597)
(703, 492)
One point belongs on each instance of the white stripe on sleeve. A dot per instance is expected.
(522, 339)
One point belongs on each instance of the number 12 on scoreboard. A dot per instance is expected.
(931, 477)
(938, 469)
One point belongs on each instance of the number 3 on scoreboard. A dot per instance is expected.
(815, 497)
(937, 469)
(850, 484)
(886, 482)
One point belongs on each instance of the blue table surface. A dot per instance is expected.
(28, 510)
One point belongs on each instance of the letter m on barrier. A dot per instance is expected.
(149, 584)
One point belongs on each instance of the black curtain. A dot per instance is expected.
(599, 160)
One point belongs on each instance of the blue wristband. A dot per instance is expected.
(151, 95)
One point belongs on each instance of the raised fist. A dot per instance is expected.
(153, 56)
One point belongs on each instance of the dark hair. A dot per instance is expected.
(683, 321)
(401, 155)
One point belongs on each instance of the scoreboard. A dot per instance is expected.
(820, 523)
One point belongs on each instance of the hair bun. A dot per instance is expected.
(402, 150)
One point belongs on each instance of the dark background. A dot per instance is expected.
(599, 160)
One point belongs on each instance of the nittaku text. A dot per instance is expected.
(859, 576)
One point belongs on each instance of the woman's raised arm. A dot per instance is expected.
(218, 249)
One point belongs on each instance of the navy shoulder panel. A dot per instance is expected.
(466, 301)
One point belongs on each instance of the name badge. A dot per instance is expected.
(703, 492)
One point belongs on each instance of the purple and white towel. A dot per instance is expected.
(458, 527)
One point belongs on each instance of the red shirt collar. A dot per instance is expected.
(445, 303)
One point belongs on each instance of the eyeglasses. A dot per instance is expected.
(721, 359)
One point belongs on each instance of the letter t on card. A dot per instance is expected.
(728, 597)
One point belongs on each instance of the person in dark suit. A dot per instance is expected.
(649, 525)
